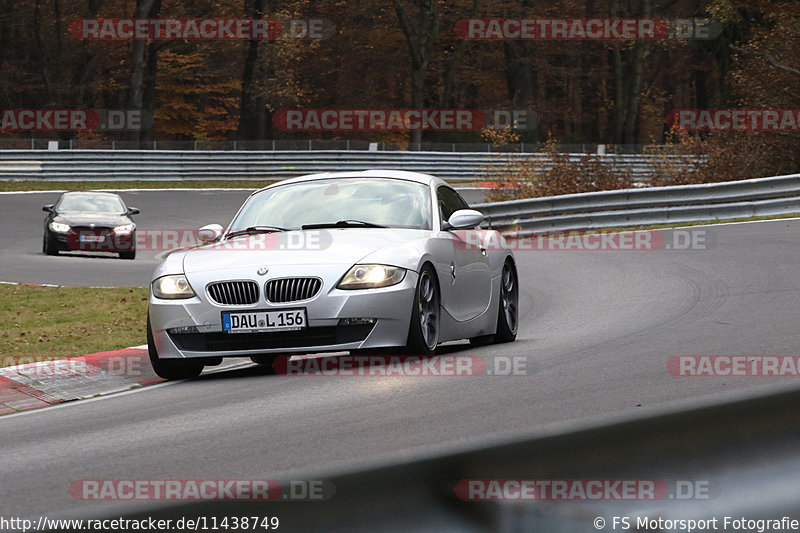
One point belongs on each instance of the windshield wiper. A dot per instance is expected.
(255, 229)
(350, 223)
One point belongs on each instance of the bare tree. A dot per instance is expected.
(421, 35)
(252, 108)
(143, 75)
(628, 81)
(448, 96)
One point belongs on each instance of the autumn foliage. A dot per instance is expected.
(400, 54)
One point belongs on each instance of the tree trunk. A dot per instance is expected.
(421, 36)
(144, 60)
(519, 74)
(85, 59)
(448, 97)
(618, 109)
(252, 109)
(628, 81)
(633, 111)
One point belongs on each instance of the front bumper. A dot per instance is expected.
(389, 306)
(71, 241)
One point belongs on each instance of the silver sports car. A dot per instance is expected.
(358, 262)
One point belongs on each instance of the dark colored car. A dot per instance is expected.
(91, 222)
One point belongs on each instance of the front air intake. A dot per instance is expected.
(292, 289)
(233, 292)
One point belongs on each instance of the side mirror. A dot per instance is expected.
(464, 218)
(210, 233)
(48, 208)
(132, 211)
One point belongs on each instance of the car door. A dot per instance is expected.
(469, 278)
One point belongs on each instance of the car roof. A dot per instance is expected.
(417, 177)
(89, 193)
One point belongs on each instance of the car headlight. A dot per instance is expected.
(372, 277)
(173, 287)
(124, 230)
(58, 227)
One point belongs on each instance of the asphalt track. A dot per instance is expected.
(597, 328)
(22, 224)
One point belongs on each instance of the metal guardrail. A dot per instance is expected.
(648, 206)
(299, 144)
(144, 165)
(743, 453)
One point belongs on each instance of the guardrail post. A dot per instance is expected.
(235, 145)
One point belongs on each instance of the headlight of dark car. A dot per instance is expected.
(58, 227)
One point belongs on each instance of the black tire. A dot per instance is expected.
(170, 368)
(128, 255)
(508, 309)
(388, 350)
(265, 362)
(483, 340)
(47, 246)
(423, 332)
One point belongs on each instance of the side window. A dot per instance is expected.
(449, 202)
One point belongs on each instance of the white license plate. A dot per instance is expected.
(92, 238)
(256, 321)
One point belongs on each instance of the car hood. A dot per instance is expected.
(80, 218)
(345, 246)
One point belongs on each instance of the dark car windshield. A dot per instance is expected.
(380, 202)
(91, 203)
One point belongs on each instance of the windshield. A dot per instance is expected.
(370, 201)
(91, 203)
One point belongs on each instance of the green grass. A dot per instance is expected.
(43, 323)
(36, 185)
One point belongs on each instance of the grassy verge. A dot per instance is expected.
(35, 185)
(43, 323)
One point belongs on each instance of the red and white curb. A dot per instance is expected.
(44, 383)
